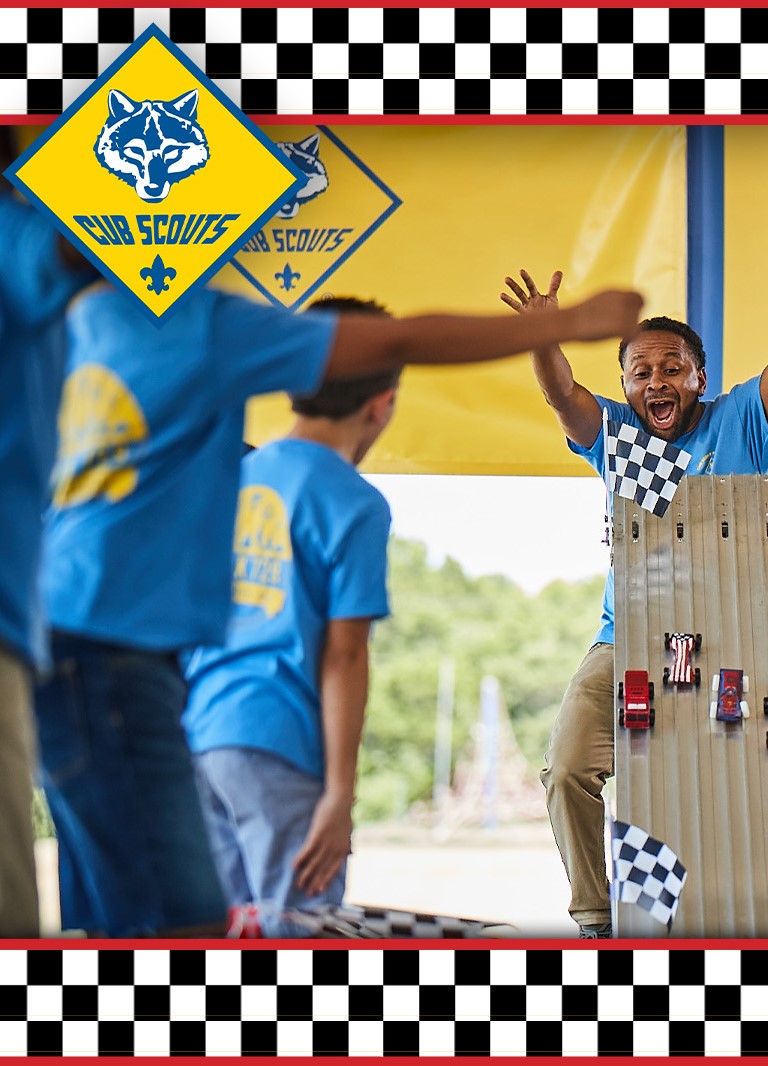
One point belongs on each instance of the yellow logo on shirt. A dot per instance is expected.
(706, 463)
(99, 419)
(155, 174)
(261, 547)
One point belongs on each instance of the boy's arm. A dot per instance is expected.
(343, 695)
(576, 408)
(365, 344)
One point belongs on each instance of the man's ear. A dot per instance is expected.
(623, 387)
(381, 406)
(702, 380)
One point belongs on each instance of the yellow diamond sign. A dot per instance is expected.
(155, 175)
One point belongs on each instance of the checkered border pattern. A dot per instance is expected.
(297, 1001)
(422, 61)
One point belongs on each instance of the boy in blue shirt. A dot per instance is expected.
(136, 560)
(39, 273)
(275, 716)
(663, 378)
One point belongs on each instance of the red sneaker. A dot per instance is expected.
(243, 922)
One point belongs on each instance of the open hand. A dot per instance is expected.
(533, 300)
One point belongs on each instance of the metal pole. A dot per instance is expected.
(443, 731)
(489, 708)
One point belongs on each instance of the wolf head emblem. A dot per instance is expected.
(304, 155)
(152, 144)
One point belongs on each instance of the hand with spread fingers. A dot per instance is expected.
(533, 300)
(605, 313)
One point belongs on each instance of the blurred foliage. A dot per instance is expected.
(487, 625)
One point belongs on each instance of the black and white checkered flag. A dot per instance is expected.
(373, 923)
(640, 467)
(646, 872)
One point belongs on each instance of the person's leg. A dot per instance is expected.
(19, 916)
(106, 879)
(121, 790)
(222, 837)
(152, 693)
(271, 803)
(579, 760)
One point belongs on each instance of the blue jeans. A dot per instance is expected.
(133, 851)
(258, 809)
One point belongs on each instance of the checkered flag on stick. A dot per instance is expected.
(640, 467)
(646, 872)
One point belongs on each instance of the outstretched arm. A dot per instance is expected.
(576, 408)
(366, 345)
(343, 695)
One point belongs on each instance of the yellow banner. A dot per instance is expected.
(606, 204)
(746, 224)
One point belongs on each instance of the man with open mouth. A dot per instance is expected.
(664, 379)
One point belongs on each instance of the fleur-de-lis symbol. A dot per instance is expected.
(287, 277)
(156, 275)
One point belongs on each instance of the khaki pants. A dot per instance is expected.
(579, 761)
(18, 888)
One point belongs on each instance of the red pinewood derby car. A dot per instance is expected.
(683, 646)
(636, 695)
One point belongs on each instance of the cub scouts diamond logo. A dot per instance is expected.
(321, 224)
(156, 175)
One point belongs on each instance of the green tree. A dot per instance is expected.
(488, 625)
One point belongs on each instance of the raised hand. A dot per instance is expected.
(533, 300)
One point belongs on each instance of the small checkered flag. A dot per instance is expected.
(646, 872)
(350, 921)
(640, 467)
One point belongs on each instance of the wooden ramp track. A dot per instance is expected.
(696, 783)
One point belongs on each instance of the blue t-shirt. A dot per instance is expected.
(35, 287)
(731, 437)
(310, 546)
(137, 541)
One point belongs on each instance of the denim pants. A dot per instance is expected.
(133, 852)
(258, 809)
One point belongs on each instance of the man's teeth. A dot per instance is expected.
(662, 412)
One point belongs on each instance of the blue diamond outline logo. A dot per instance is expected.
(153, 30)
(395, 202)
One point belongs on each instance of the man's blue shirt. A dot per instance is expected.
(138, 539)
(310, 546)
(731, 437)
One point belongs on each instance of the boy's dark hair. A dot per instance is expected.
(339, 399)
(671, 325)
